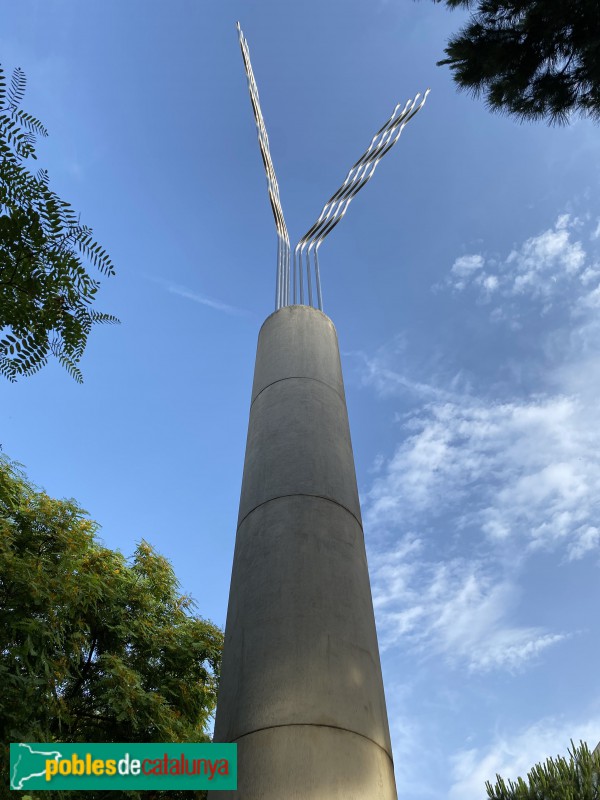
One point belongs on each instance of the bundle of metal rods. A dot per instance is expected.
(290, 285)
(283, 240)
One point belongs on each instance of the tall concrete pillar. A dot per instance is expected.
(301, 691)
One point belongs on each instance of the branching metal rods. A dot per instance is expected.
(336, 207)
(283, 240)
(290, 287)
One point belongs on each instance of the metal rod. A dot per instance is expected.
(318, 281)
(300, 278)
(286, 279)
(294, 278)
(308, 280)
(283, 248)
(277, 282)
(289, 281)
(358, 176)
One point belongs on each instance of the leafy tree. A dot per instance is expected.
(93, 648)
(575, 778)
(531, 58)
(45, 290)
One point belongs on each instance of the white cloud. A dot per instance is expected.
(590, 274)
(528, 470)
(490, 283)
(543, 260)
(590, 301)
(197, 297)
(455, 608)
(502, 479)
(408, 734)
(540, 268)
(514, 756)
(378, 372)
(204, 300)
(466, 265)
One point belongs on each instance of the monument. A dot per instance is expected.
(301, 691)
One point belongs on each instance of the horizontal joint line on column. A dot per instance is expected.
(316, 725)
(299, 494)
(298, 378)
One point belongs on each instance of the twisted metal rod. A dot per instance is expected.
(283, 240)
(358, 176)
(290, 283)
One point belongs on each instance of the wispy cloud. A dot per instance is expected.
(465, 269)
(378, 371)
(550, 266)
(412, 746)
(197, 297)
(457, 608)
(514, 756)
(528, 470)
(504, 479)
(205, 301)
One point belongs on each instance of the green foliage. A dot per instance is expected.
(45, 290)
(93, 648)
(530, 58)
(575, 778)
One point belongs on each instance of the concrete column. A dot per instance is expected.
(301, 690)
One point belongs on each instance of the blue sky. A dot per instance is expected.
(464, 283)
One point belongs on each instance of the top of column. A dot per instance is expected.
(297, 342)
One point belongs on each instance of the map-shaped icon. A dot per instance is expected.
(30, 764)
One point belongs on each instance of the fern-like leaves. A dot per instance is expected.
(2, 87)
(46, 292)
(17, 87)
